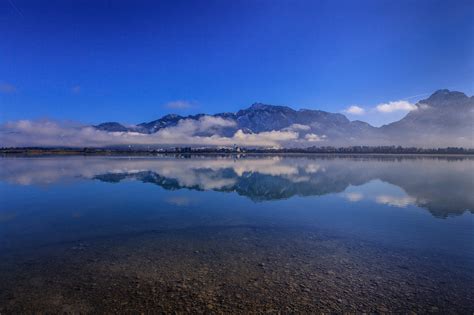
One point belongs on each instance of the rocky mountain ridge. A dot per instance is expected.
(446, 118)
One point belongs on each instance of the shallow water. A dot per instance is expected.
(237, 234)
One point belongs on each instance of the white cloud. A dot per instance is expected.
(264, 137)
(186, 132)
(312, 137)
(179, 104)
(355, 110)
(391, 107)
(191, 126)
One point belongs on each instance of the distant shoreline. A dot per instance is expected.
(355, 151)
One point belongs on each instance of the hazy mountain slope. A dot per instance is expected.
(444, 119)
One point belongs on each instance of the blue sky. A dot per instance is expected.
(133, 61)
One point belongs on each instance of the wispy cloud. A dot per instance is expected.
(180, 105)
(76, 89)
(7, 88)
(354, 110)
(395, 106)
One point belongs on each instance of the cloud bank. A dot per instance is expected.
(381, 114)
(391, 107)
(187, 132)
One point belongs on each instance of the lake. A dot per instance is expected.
(237, 233)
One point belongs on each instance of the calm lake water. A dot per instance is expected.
(237, 234)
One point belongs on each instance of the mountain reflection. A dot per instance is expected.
(441, 185)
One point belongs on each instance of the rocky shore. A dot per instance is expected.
(231, 270)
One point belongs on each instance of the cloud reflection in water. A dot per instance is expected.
(442, 185)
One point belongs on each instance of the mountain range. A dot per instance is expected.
(446, 118)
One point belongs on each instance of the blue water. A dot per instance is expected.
(420, 205)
